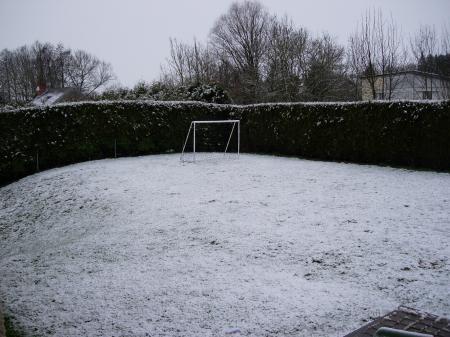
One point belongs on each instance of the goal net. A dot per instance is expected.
(206, 140)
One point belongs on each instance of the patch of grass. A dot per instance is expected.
(11, 331)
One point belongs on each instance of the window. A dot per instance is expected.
(427, 95)
(379, 96)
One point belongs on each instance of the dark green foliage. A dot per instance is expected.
(437, 64)
(209, 93)
(412, 134)
(41, 138)
(11, 330)
(401, 133)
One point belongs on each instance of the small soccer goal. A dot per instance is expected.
(215, 139)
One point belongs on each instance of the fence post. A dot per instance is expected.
(193, 141)
(37, 159)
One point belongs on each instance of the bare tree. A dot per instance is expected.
(17, 73)
(241, 36)
(431, 53)
(257, 57)
(7, 75)
(393, 55)
(23, 69)
(362, 51)
(325, 77)
(376, 48)
(87, 73)
(61, 62)
(424, 43)
(445, 40)
(286, 60)
(177, 61)
(188, 64)
(445, 50)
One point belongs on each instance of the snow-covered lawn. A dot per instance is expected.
(260, 246)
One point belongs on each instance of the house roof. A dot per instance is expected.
(414, 72)
(53, 96)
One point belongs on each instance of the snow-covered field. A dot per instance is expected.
(260, 246)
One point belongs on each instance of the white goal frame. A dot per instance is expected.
(225, 121)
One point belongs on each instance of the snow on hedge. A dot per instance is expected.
(150, 103)
(260, 246)
(402, 133)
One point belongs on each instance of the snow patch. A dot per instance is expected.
(257, 246)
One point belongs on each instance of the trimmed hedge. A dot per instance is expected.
(415, 134)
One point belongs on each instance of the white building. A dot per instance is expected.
(411, 85)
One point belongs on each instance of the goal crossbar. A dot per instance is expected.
(229, 121)
(215, 121)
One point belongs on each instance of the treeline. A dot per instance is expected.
(24, 69)
(251, 56)
(159, 91)
(258, 57)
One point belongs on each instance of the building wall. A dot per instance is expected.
(408, 86)
(365, 90)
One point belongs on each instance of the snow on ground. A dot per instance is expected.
(260, 246)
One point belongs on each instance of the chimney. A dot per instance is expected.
(41, 88)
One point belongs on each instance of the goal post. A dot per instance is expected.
(222, 146)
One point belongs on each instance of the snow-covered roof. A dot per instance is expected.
(414, 72)
(52, 96)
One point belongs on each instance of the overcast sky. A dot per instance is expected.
(133, 35)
